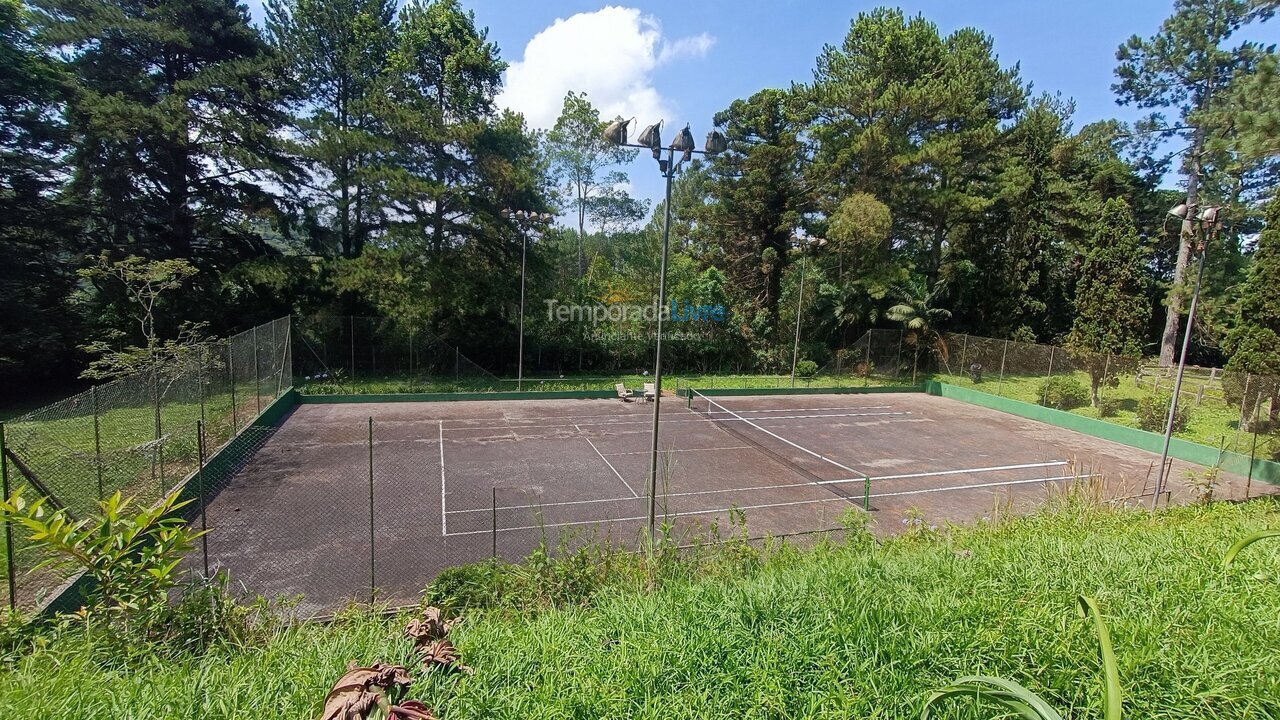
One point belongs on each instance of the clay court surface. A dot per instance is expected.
(295, 519)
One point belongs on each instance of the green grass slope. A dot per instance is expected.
(838, 631)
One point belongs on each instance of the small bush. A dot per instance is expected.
(1109, 407)
(1153, 413)
(1063, 392)
(806, 368)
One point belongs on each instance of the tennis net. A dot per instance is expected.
(786, 452)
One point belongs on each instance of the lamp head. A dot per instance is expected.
(1180, 211)
(616, 132)
(716, 143)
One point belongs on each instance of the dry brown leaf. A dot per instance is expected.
(441, 653)
(362, 689)
(431, 626)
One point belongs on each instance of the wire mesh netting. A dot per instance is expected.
(136, 435)
(346, 354)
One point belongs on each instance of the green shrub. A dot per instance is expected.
(1109, 407)
(806, 368)
(1153, 413)
(1063, 392)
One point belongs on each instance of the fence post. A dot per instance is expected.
(964, 346)
(257, 374)
(495, 522)
(351, 320)
(97, 439)
(157, 454)
(204, 522)
(372, 572)
(1106, 370)
(866, 492)
(231, 370)
(1003, 355)
(897, 362)
(8, 525)
(1044, 395)
(412, 377)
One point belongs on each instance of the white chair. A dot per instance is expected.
(650, 391)
(623, 393)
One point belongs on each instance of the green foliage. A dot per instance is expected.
(806, 368)
(1153, 413)
(887, 627)
(1063, 392)
(1245, 542)
(1016, 699)
(132, 556)
(1109, 407)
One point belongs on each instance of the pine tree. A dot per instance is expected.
(37, 231)
(173, 115)
(337, 53)
(1186, 68)
(1254, 343)
(1111, 307)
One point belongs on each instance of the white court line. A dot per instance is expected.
(569, 423)
(907, 476)
(606, 461)
(444, 515)
(676, 516)
(671, 450)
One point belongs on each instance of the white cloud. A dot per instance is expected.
(609, 54)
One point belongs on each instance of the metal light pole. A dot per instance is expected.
(650, 139)
(1208, 219)
(803, 244)
(524, 221)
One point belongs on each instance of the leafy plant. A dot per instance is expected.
(1109, 407)
(1018, 700)
(132, 558)
(1153, 413)
(1063, 392)
(1245, 542)
(806, 368)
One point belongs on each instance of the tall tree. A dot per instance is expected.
(1111, 307)
(37, 230)
(1185, 68)
(758, 197)
(173, 116)
(337, 53)
(912, 117)
(1254, 342)
(581, 161)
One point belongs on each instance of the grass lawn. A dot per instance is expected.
(847, 630)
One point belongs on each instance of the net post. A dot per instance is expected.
(495, 523)
(866, 492)
(97, 439)
(372, 548)
(8, 524)
(897, 361)
(204, 522)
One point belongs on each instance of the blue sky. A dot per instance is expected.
(687, 60)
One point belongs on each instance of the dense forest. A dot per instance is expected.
(346, 157)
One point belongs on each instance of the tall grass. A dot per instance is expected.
(838, 631)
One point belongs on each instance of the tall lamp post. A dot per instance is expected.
(650, 139)
(804, 244)
(1207, 221)
(525, 220)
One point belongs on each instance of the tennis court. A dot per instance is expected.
(343, 497)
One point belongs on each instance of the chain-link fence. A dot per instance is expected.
(136, 435)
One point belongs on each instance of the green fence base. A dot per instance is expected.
(1264, 470)
(460, 396)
